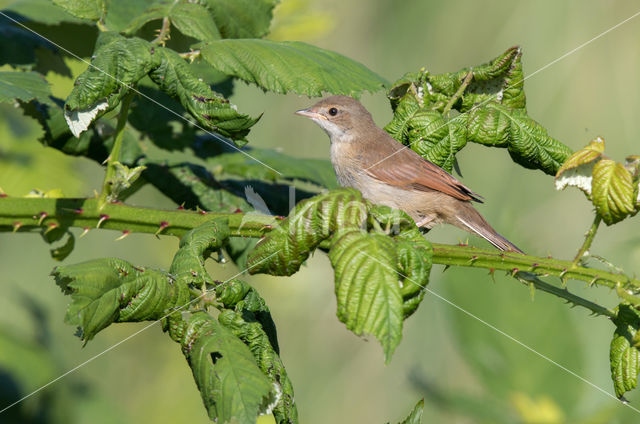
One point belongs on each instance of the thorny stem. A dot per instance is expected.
(35, 214)
(588, 239)
(458, 94)
(163, 35)
(114, 156)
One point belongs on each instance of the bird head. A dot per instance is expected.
(340, 116)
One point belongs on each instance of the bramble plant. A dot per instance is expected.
(162, 71)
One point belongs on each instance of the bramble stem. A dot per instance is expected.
(588, 239)
(458, 93)
(114, 156)
(34, 214)
(163, 34)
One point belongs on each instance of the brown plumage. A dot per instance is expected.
(365, 157)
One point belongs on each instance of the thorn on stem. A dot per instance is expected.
(124, 234)
(85, 230)
(50, 227)
(16, 226)
(101, 220)
(41, 216)
(163, 225)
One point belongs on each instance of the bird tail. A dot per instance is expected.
(472, 221)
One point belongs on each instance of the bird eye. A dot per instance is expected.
(333, 111)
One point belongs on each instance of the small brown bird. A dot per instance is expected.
(365, 157)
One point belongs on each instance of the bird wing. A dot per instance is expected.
(400, 166)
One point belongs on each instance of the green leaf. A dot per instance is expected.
(192, 19)
(415, 416)
(195, 247)
(613, 191)
(95, 143)
(414, 255)
(237, 164)
(85, 9)
(368, 286)
(117, 63)
(23, 86)
(624, 355)
(173, 75)
(110, 290)
(577, 171)
(248, 317)
(527, 141)
(232, 386)
(313, 220)
(291, 66)
(44, 11)
(242, 18)
(428, 133)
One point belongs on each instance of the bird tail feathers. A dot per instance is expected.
(477, 224)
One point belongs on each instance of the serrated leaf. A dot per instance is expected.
(95, 143)
(624, 355)
(415, 416)
(527, 141)
(110, 290)
(242, 18)
(291, 66)
(192, 19)
(23, 86)
(414, 255)
(416, 124)
(577, 171)
(173, 75)
(368, 286)
(233, 388)
(85, 9)
(613, 191)
(44, 11)
(117, 63)
(248, 317)
(195, 247)
(309, 223)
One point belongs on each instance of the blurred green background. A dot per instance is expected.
(467, 371)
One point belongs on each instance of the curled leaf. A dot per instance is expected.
(624, 354)
(613, 191)
(110, 290)
(232, 386)
(578, 168)
(368, 286)
(313, 220)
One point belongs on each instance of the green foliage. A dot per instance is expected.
(415, 416)
(381, 261)
(233, 387)
(85, 9)
(311, 222)
(611, 186)
(248, 317)
(491, 102)
(195, 247)
(380, 277)
(291, 66)
(104, 291)
(23, 86)
(624, 354)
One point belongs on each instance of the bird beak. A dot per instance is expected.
(310, 114)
